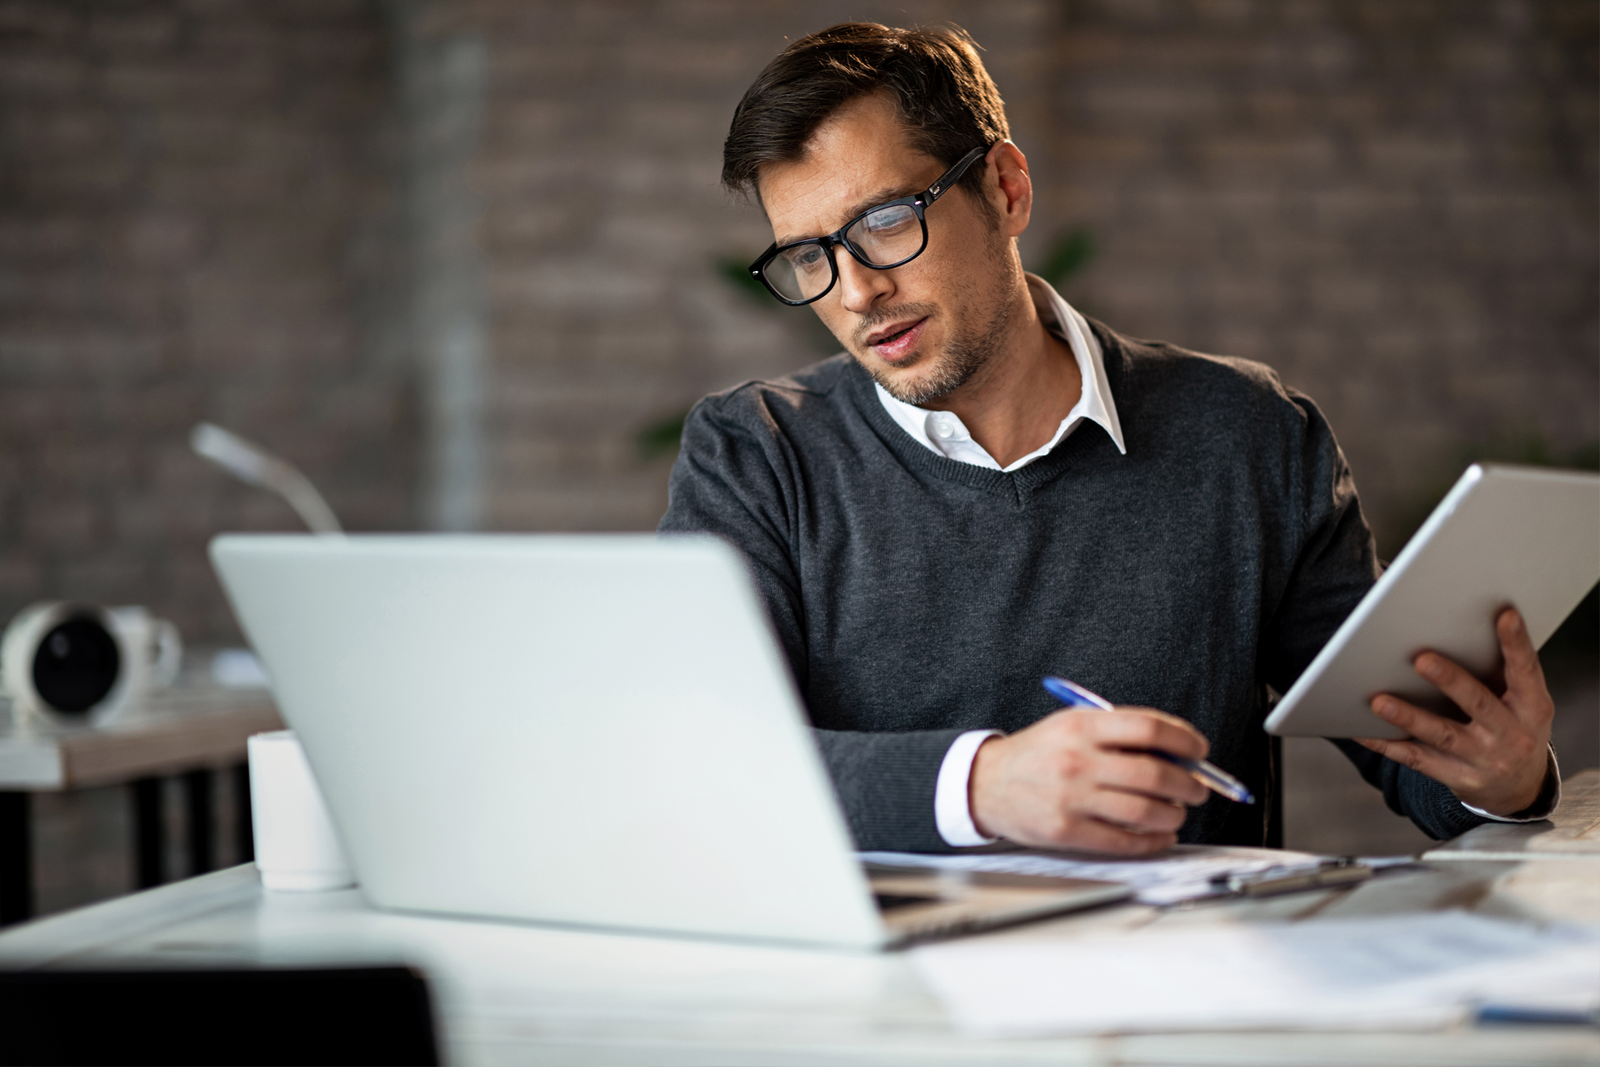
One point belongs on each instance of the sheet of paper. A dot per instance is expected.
(1181, 873)
(1389, 972)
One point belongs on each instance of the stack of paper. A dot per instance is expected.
(1180, 873)
(1390, 972)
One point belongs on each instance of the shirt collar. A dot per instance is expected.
(1095, 403)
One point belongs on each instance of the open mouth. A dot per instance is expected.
(889, 338)
(897, 341)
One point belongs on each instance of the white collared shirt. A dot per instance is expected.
(944, 434)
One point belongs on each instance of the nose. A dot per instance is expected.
(861, 287)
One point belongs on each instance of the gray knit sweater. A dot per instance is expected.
(918, 597)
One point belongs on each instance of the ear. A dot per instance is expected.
(1009, 187)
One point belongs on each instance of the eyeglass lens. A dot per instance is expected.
(884, 238)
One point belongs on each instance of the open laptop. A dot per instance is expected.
(596, 730)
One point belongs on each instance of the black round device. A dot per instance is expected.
(76, 664)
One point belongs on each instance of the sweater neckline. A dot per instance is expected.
(1017, 485)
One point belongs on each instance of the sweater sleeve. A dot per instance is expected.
(738, 479)
(1334, 563)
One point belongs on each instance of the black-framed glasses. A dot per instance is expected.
(880, 237)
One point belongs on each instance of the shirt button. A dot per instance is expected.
(943, 429)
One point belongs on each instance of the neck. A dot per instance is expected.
(1016, 401)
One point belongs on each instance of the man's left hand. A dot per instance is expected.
(1496, 762)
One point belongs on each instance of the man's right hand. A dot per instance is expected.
(1084, 779)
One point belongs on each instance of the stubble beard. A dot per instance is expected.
(965, 354)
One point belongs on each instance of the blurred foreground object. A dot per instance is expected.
(333, 1015)
(65, 662)
(253, 464)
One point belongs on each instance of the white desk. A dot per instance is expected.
(532, 995)
(1575, 831)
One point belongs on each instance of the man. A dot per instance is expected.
(987, 488)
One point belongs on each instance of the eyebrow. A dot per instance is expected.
(865, 204)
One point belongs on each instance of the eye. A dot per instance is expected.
(890, 221)
(806, 258)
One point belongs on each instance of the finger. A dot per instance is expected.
(1141, 728)
(1092, 835)
(1142, 814)
(1148, 776)
(1434, 730)
(1468, 694)
(1418, 757)
(1524, 674)
(1515, 644)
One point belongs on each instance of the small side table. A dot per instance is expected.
(188, 730)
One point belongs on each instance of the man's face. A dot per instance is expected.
(924, 329)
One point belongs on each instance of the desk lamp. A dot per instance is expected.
(255, 465)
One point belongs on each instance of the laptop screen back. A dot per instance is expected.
(596, 730)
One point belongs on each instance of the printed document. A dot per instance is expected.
(1388, 972)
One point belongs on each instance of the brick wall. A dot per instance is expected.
(194, 205)
(1394, 203)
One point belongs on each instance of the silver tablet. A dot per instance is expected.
(1519, 536)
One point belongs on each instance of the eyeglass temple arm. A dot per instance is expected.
(953, 175)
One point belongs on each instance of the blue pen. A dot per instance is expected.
(1209, 775)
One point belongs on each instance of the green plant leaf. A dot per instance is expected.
(735, 271)
(660, 438)
(1068, 256)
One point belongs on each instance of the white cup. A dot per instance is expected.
(297, 849)
(75, 663)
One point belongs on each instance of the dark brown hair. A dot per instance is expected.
(947, 100)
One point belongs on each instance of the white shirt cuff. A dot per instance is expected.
(1552, 771)
(952, 810)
